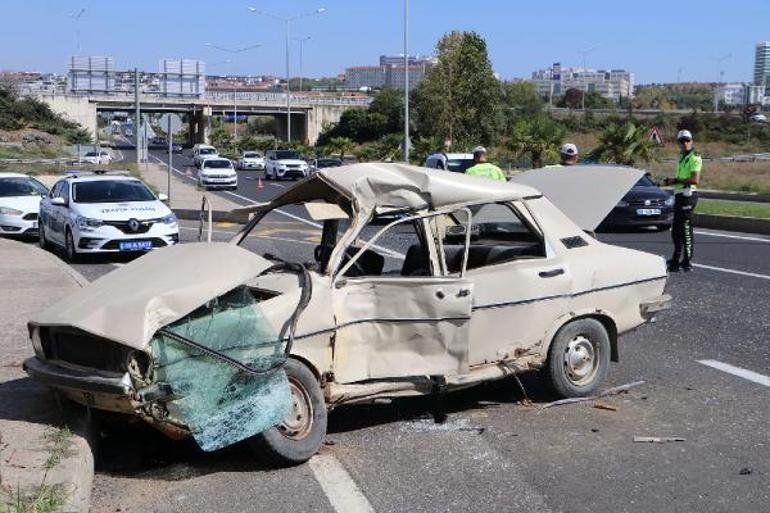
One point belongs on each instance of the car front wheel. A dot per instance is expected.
(69, 247)
(579, 358)
(300, 435)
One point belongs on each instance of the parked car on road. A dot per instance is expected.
(251, 160)
(645, 205)
(201, 152)
(282, 164)
(478, 280)
(101, 212)
(758, 118)
(317, 164)
(217, 172)
(97, 157)
(20, 204)
(457, 162)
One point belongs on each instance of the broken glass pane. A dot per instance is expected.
(219, 403)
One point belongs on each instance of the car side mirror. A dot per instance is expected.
(59, 202)
(163, 197)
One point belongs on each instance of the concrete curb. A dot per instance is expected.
(218, 216)
(733, 224)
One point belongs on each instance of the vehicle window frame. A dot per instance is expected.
(339, 273)
(525, 220)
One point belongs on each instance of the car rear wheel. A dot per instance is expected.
(69, 247)
(579, 358)
(300, 435)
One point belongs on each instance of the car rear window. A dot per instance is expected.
(111, 191)
(459, 165)
(18, 186)
(217, 164)
(207, 151)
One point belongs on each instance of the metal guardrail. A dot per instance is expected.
(216, 96)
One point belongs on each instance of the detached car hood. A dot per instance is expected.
(130, 304)
(585, 193)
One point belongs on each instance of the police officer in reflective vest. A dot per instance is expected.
(685, 198)
(484, 168)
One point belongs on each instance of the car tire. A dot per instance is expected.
(292, 444)
(42, 239)
(578, 359)
(70, 252)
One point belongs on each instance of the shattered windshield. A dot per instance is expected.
(220, 403)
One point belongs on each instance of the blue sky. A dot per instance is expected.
(651, 38)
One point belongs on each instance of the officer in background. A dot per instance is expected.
(568, 154)
(483, 168)
(685, 198)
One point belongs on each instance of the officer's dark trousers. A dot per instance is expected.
(681, 231)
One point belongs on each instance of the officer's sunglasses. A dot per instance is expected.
(682, 141)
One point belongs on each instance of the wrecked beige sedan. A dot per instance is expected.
(421, 282)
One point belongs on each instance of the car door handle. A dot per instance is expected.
(552, 273)
(464, 293)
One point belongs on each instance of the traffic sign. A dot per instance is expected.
(656, 136)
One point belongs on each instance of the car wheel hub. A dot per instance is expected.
(299, 421)
(580, 360)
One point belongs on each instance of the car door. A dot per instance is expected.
(521, 286)
(394, 324)
(55, 215)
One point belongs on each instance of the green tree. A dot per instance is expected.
(522, 98)
(460, 98)
(389, 103)
(221, 138)
(340, 145)
(79, 136)
(538, 137)
(625, 144)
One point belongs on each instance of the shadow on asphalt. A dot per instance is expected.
(131, 449)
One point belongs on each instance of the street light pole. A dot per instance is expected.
(406, 81)
(301, 44)
(235, 87)
(287, 20)
(585, 54)
(720, 74)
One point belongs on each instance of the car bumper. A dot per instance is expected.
(214, 183)
(252, 165)
(90, 388)
(16, 225)
(112, 240)
(629, 216)
(650, 307)
(291, 173)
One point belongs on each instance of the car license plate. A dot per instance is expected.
(135, 245)
(648, 212)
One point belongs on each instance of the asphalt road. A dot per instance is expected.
(497, 452)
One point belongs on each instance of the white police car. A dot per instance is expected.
(105, 212)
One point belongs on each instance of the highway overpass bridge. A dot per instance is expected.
(309, 113)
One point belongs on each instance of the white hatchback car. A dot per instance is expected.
(19, 204)
(251, 160)
(217, 172)
(97, 157)
(105, 212)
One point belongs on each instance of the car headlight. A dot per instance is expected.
(169, 219)
(10, 211)
(621, 204)
(85, 223)
(670, 201)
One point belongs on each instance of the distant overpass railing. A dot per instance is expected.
(219, 97)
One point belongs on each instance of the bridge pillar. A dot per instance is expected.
(298, 126)
(200, 128)
(320, 115)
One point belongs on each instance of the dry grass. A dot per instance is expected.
(726, 176)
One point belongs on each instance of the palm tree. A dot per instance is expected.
(340, 145)
(539, 137)
(625, 143)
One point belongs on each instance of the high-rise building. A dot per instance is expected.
(762, 64)
(390, 72)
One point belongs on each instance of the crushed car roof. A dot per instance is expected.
(401, 186)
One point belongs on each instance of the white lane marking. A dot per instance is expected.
(342, 492)
(737, 371)
(266, 237)
(732, 271)
(729, 236)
